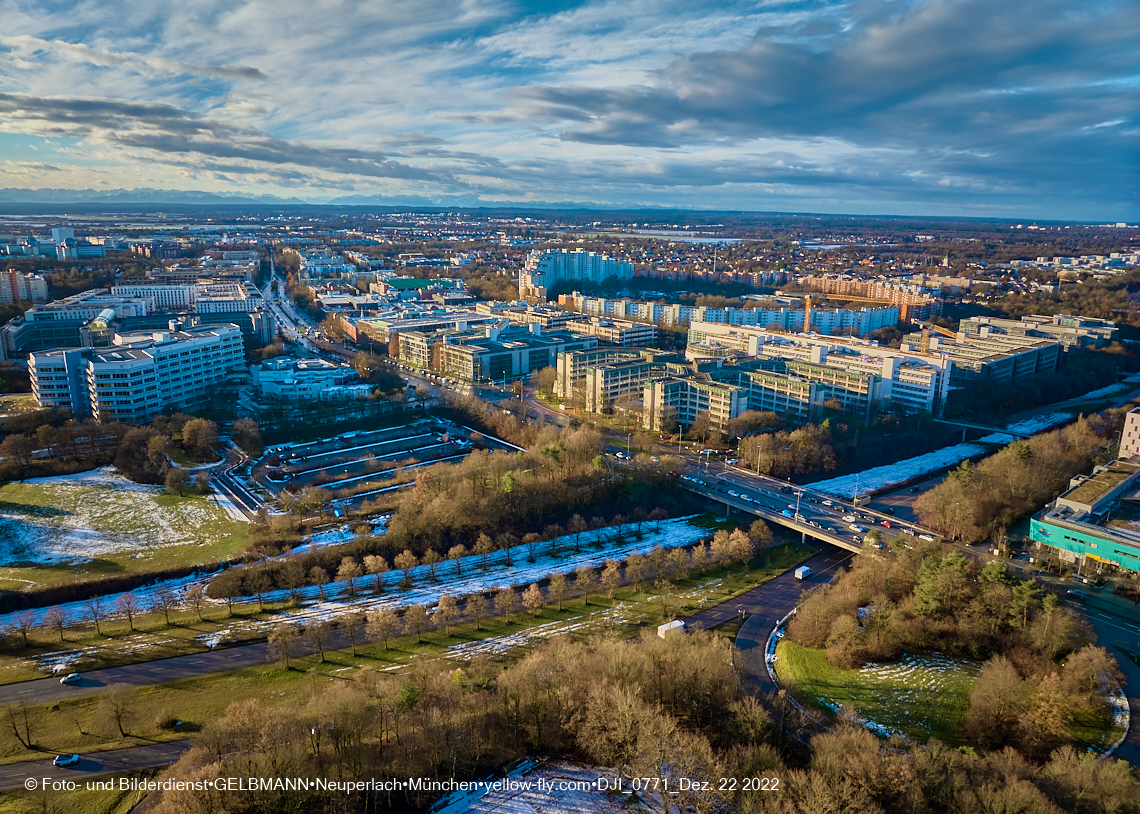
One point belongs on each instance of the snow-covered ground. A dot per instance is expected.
(1027, 425)
(882, 476)
(472, 578)
(93, 514)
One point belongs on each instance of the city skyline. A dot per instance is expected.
(957, 108)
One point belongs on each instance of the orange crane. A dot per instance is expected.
(904, 308)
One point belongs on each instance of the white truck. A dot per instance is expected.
(665, 629)
(803, 572)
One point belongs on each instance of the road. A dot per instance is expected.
(14, 775)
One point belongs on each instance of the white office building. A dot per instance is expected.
(302, 379)
(140, 376)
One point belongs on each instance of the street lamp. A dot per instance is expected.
(628, 436)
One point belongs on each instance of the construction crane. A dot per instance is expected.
(927, 327)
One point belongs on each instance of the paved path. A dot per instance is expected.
(15, 775)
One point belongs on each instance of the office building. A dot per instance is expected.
(16, 286)
(141, 375)
(300, 379)
(1072, 332)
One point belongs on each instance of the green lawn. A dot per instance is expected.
(80, 801)
(74, 529)
(921, 695)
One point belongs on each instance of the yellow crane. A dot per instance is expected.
(927, 327)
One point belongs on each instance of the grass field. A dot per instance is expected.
(94, 524)
(77, 726)
(922, 696)
(80, 801)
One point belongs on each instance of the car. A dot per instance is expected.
(787, 513)
(732, 493)
(65, 760)
(827, 503)
(888, 510)
(791, 505)
(856, 538)
(849, 518)
(926, 537)
(885, 523)
(859, 529)
(746, 497)
(913, 489)
(799, 517)
(70, 678)
(908, 532)
(1077, 594)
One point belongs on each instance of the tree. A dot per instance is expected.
(558, 587)
(544, 380)
(456, 554)
(483, 548)
(198, 438)
(533, 600)
(177, 481)
(354, 629)
(657, 515)
(166, 601)
(128, 604)
(293, 576)
(319, 577)
(415, 620)
(382, 625)
(531, 542)
(247, 435)
(406, 561)
(258, 581)
(432, 561)
(55, 618)
(476, 606)
(611, 578)
(1026, 595)
(577, 526)
(115, 706)
(635, 565)
(349, 571)
(377, 566)
(505, 599)
(741, 548)
(23, 624)
(283, 643)
(19, 447)
(760, 534)
(447, 610)
(996, 703)
(196, 598)
(584, 581)
(318, 634)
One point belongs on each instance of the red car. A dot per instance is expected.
(886, 523)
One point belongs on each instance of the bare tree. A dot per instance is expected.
(382, 625)
(354, 628)
(505, 599)
(533, 600)
(319, 634)
(477, 609)
(23, 624)
(483, 548)
(415, 620)
(447, 610)
(259, 582)
(577, 526)
(611, 578)
(377, 566)
(55, 618)
(432, 561)
(584, 581)
(128, 604)
(283, 644)
(319, 577)
(456, 554)
(293, 576)
(558, 587)
(657, 515)
(116, 706)
(349, 571)
(196, 598)
(166, 601)
(406, 561)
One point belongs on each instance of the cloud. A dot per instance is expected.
(30, 47)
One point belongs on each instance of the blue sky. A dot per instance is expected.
(1011, 108)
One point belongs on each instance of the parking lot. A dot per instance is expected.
(361, 464)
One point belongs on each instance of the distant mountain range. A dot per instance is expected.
(190, 197)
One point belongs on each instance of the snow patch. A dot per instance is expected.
(881, 477)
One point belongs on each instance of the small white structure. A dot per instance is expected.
(803, 572)
(665, 629)
(307, 379)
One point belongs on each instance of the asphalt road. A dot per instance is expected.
(15, 775)
(766, 605)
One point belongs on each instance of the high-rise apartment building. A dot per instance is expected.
(544, 269)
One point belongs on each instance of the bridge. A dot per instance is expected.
(767, 498)
(1014, 433)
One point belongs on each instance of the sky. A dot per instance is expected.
(988, 108)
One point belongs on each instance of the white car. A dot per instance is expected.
(65, 760)
(827, 503)
(732, 493)
(746, 497)
(70, 678)
(849, 518)
(926, 537)
(908, 532)
(859, 529)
